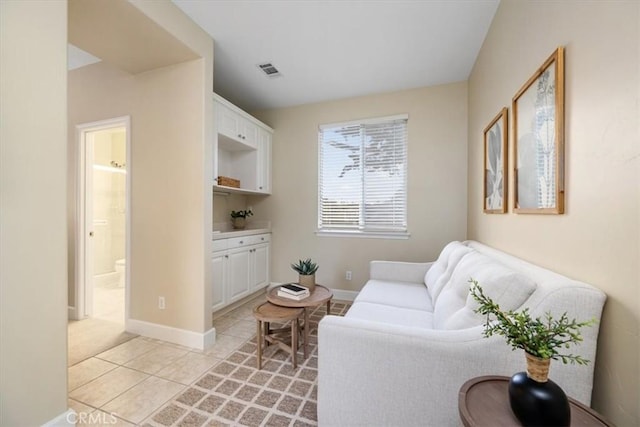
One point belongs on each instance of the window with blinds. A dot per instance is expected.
(363, 176)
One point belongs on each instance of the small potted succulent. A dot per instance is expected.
(306, 270)
(534, 398)
(239, 218)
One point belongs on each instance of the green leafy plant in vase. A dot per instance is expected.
(239, 218)
(534, 398)
(306, 270)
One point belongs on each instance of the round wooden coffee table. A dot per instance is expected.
(266, 313)
(320, 295)
(484, 401)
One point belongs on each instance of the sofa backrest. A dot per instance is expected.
(455, 307)
(510, 281)
(554, 292)
(440, 272)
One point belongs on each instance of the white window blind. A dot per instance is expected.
(363, 176)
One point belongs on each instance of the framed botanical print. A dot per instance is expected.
(495, 164)
(538, 135)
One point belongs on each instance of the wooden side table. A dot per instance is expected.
(484, 401)
(320, 295)
(265, 314)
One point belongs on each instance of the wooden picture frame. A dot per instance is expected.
(538, 135)
(495, 164)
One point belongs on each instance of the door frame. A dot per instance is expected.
(82, 229)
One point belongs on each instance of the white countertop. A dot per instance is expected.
(239, 233)
(224, 230)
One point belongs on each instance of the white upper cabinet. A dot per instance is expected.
(236, 127)
(264, 161)
(242, 149)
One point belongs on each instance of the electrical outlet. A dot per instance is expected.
(348, 275)
(161, 303)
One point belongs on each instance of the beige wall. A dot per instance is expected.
(189, 182)
(33, 273)
(437, 201)
(597, 239)
(170, 169)
(224, 204)
(167, 203)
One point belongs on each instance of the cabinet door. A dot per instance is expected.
(260, 266)
(228, 122)
(235, 126)
(248, 132)
(219, 262)
(238, 274)
(263, 177)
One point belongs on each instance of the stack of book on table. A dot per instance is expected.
(293, 291)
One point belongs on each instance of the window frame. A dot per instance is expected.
(352, 231)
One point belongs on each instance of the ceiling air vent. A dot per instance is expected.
(269, 70)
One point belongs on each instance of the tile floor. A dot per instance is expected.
(136, 378)
(235, 393)
(108, 302)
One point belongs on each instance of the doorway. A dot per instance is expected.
(102, 285)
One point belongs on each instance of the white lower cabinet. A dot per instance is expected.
(238, 274)
(219, 262)
(259, 267)
(240, 267)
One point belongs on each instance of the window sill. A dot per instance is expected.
(364, 234)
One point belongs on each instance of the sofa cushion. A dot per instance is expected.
(390, 315)
(440, 272)
(397, 294)
(508, 288)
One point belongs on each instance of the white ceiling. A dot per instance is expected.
(337, 49)
(77, 57)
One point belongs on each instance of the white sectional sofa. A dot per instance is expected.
(411, 339)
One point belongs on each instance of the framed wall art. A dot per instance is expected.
(538, 135)
(495, 164)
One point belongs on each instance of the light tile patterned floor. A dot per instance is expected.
(154, 383)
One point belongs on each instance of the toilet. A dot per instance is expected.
(120, 269)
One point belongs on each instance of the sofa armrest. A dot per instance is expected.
(399, 271)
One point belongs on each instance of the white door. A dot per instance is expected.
(87, 229)
(92, 219)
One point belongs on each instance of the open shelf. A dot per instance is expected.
(232, 190)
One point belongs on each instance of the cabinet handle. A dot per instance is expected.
(239, 136)
(226, 256)
(241, 242)
(262, 238)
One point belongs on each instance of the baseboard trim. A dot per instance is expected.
(197, 340)
(344, 295)
(67, 418)
(338, 294)
(71, 313)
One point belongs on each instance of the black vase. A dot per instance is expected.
(538, 403)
